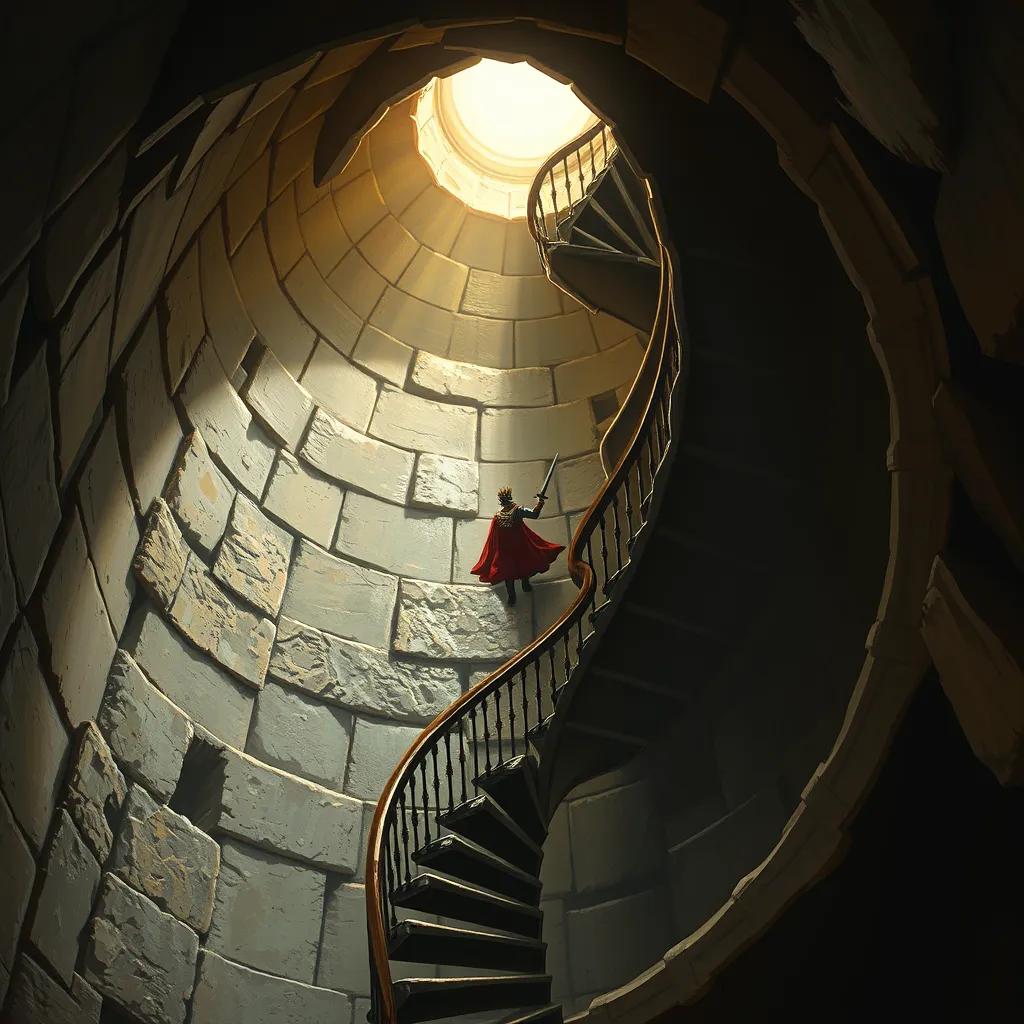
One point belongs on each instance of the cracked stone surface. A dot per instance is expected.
(253, 557)
(359, 677)
(147, 733)
(160, 560)
(37, 999)
(448, 485)
(95, 791)
(216, 623)
(201, 496)
(163, 855)
(142, 958)
(276, 397)
(449, 379)
(423, 425)
(306, 502)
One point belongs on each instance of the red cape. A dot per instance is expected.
(513, 553)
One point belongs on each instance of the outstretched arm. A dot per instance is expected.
(532, 513)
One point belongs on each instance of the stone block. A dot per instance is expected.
(376, 748)
(253, 557)
(28, 486)
(525, 479)
(227, 321)
(483, 341)
(521, 255)
(481, 385)
(80, 394)
(93, 296)
(147, 733)
(139, 957)
(340, 387)
(165, 857)
(332, 318)
(214, 409)
(287, 815)
(359, 677)
(182, 307)
(94, 792)
(307, 502)
(70, 878)
(593, 375)
(246, 199)
(152, 427)
(389, 248)
(275, 87)
(37, 999)
(578, 481)
(460, 623)
(434, 218)
(18, 868)
(283, 236)
(509, 298)
(228, 993)
(471, 534)
(301, 736)
(404, 541)
(550, 600)
(446, 485)
(556, 962)
(360, 206)
(608, 331)
(162, 556)
(418, 324)
(81, 640)
(201, 496)
(352, 458)
(554, 339)
(357, 284)
(281, 404)
(325, 238)
(12, 309)
(423, 425)
(347, 599)
(207, 695)
(33, 743)
(216, 623)
(383, 355)
(518, 435)
(481, 242)
(556, 868)
(267, 912)
(435, 279)
(402, 179)
(343, 956)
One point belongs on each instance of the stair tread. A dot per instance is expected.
(544, 1013)
(420, 999)
(469, 934)
(512, 785)
(464, 889)
(483, 821)
(480, 866)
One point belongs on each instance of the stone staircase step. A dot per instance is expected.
(419, 999)
(428, 943)
(454, 856)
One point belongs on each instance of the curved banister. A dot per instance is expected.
(434, 775)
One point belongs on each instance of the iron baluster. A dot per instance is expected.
(579, 165)
(526, 709)
(567, 664)
(593, 169)
(476, 744)
(554, 205)
(540, 699)
(629, 509)
(604, 549)
(448, 767)
(501, 724)
(617, 533)
(389, 887)
(554, 685)
(462, 759)
(426, 801)
(568, 183)
(604, 146)
(437, 781)
(579, 626)
(415, 813)
(487, 734)
(511, 717)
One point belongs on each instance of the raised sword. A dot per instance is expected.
(542, 493)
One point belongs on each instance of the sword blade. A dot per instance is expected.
(547, 480)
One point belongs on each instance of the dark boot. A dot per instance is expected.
(510, 587)
(525, 581)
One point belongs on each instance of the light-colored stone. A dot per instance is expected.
(219, 625)
(245, 201)
(359, 677)
(228, 993)
(307, 502)
(183, 313)
(481, 385)
(253, 557)
(332, 318)
(553, 340)
(33, 743)
(141, 958)
(434, 218)
(418, 324)
(357, 284)
(389, 248)
(356, 460)
(283, 236)
(80, 394)
(207, 695)
(340, 387)
(446, 485)
(283, 814)
(483, 341)
(347, 599)
(301, 736)
(556, 868)
(459, 623)
(147, 733)
(435, 279)
(282, 405)
(70, 878)
(376, 748)
(521, 255)
(578, 481)
(81, 640)
(326, 239)
(404, 541)
(420, 424)
(550, 600)
(267, 912)
(471, 534)
(227, 322)
(517, 435)
(36, 998)
(525, 479)
(94, 792)
(165, 857)
(343, 961)
(19, 871)
(509, 298)
(201, 496)
(481, 242)
(162, 555)
(360, 206)
(8, 593)
(605, 371)
(383, 355)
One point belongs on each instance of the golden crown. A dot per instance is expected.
(504, 494)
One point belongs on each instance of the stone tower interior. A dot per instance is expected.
(275, 327)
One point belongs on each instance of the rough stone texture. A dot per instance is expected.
(417, 324)
(147, 733)
(517, 435)
(352, 458)
(303, 500)
(554, 339)
(418, 423)
(459, 622)
(383, 355)
(217, 624)
(376, 748)
(201, 496)
(281, 813)
(27, 484)
(33, 743)
(358, 677)
(153, 431)
(343, 962)
(227, 322)
(183, 316)
(162, 555)
(578, 482)
(340, 387)
(301, 736)
(228, 993)
(389, 248)
(481, 385)
(81, 642)
(525, 479)
(483, 342)
(71, 876)
(110, 525)
(205, 693)
(280, 402)
(94, 792)
(325, 238)
(448, 485)
(510, 298)
(267, 912)
(142, 958)
(18, 868)
(330, 593)
(163, 855)
(253, 557)
(331, 317)
(37, 999)
(404, 541)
